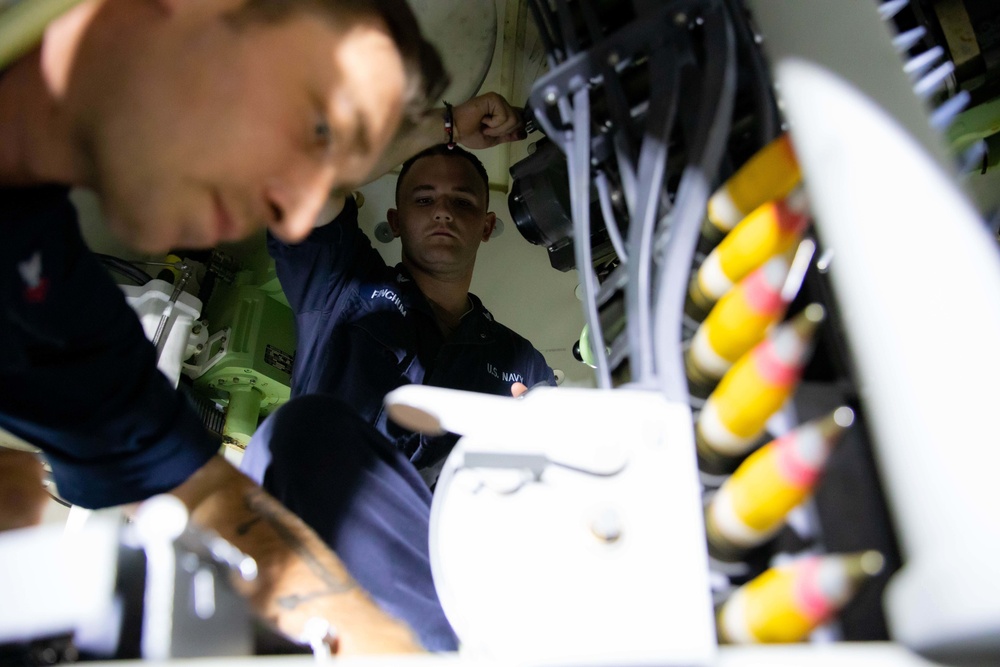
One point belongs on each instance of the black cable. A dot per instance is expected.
(707, 146)
(544, 29)
(57, 499)
(766, 106)
(570, 40)
(125, 268)
(591, 20)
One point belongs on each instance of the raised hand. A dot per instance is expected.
(487, 120)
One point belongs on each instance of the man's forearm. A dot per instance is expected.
(299, 576)
(484, 121)
(22, 496)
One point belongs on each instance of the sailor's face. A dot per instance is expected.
(220, 130)
(441, 217)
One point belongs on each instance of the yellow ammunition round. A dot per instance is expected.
(786, 603)
(770, 229)
(751, 506)
(771, 173)
(757, 385)
(738, 321)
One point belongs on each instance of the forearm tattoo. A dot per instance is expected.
(263, 507)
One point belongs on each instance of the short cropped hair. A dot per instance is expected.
(426, 78)
(442, 149)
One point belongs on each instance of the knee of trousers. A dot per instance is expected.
(315, 436)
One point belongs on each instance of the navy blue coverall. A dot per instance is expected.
(364, 329)
(78, 378)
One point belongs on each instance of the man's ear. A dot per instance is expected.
(489, 226)
(392, 217)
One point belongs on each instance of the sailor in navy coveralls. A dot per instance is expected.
(365, 328)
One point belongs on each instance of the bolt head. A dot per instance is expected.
(606, 525)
